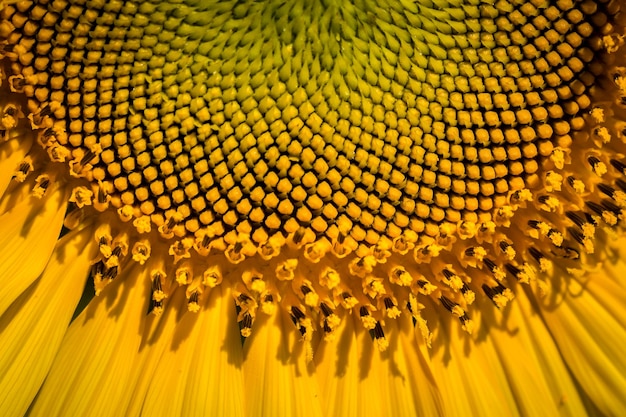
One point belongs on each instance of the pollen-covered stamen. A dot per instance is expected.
(507, 249)
(42, 183)
(378, 335)
(542, 229)
(245, 323)
(368, 321)
(102, 275)
(310, 297)
(499, 294)
(466, 323)
(302, 322)
(81, 196)
(577, 185)
(193, 303)
(212, 276)
(608, 212)
(452, 280)
(545, 265)
(157, 286)
(398, 275)
(599, 168)
(391, 308)
(496, 271)
(246, 307)
(23, 169)
(141, 251)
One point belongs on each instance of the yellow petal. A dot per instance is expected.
(589, 327)
(278, 381)
(33, 327)
(11, 153)
(199, 370)
(536, 373)
(28, 233)
(92, 369)
(468, 372)
(356, 379)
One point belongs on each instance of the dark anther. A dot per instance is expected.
(533, 223)
(269, 298)
(298, 235)
(87, 157)
(378, 332)
(490, 264)
(571, 180)
(117, 251)
(363, 311)
(504, 245)
(243, 298)
(388, 303)
(469, 251)
(593, 161)
(595, 207)
(326, 310)
(575, 218)
(156, 284)
(490, 292)
(246, 322)
(447, 303)
(421, 283)
(447, 273)
(24, 167)
(110, 273)
(326, 327)
(97, 269)
(606, 189)
(611, 206)
(576, 234)
(536, 253)
(621, 167)
(156, 305)
(305, 290)
(297, 313)
(102, 195)
(45, 183)
(513, 270)
(621, 184)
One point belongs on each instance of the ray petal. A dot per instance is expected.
(96, 358)
(356, 379)
(31, 330)
(468, 372)
(589, 328)
(536, 373)
(28, 233)
(199, 371)
(278, 381)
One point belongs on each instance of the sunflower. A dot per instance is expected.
(312, 208)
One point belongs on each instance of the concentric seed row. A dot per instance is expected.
(360, 118)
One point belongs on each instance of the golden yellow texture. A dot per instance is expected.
(358, 170)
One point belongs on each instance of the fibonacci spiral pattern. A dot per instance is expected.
(369, 131)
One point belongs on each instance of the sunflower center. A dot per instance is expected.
(361, 119)
(388, 131)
